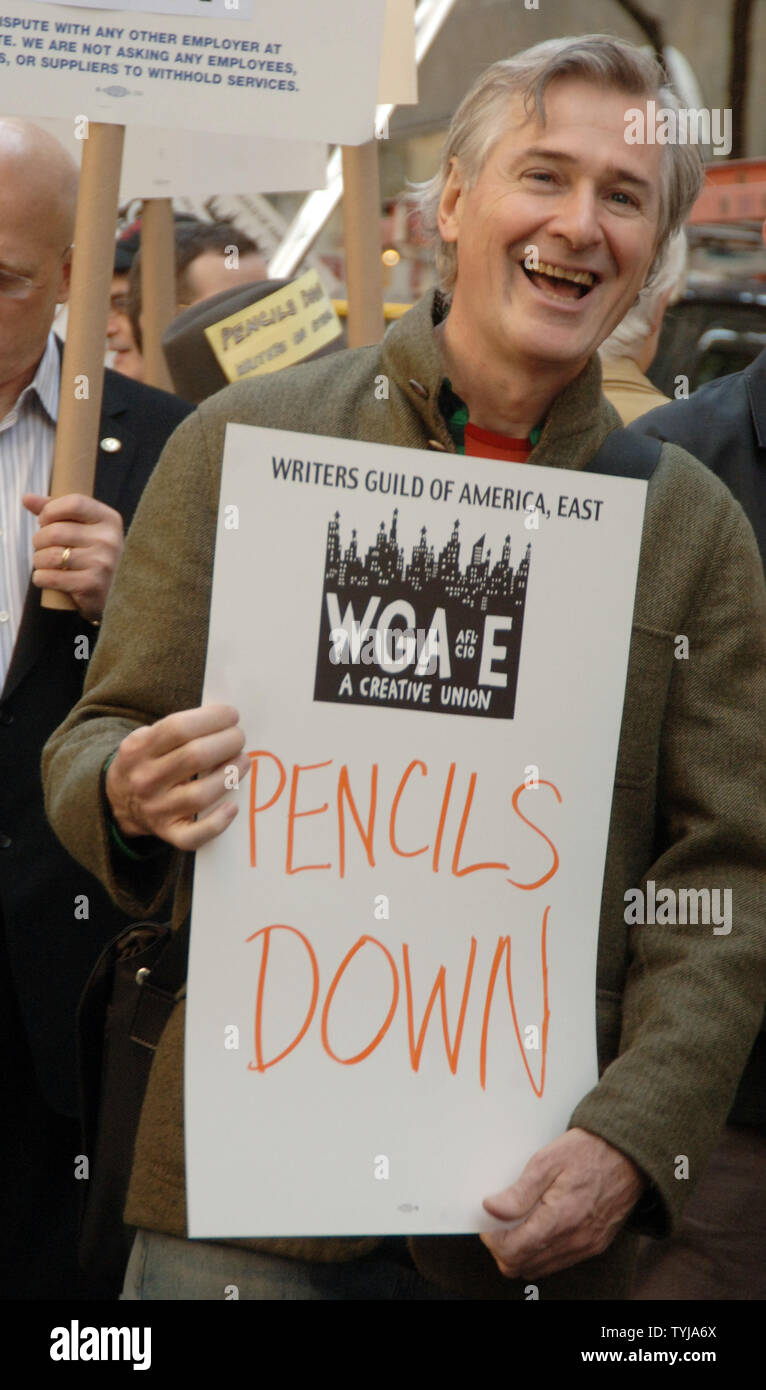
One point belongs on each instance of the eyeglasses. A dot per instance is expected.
(14, 286)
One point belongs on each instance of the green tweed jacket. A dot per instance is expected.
(678, 1007)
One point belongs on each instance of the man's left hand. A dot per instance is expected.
(76, 548)
(570, 1200)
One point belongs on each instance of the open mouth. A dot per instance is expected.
(561, 283)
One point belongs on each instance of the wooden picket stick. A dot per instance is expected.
(361, 223)
(158, 293)
(82, 369)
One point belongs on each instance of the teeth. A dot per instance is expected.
(580, 277)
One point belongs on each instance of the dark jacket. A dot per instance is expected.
(51, 950)
(724, 425)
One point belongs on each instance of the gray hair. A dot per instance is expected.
(632, 331)
(482, 119)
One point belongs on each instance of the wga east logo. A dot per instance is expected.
(420, 630)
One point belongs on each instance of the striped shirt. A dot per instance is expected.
(27, 437)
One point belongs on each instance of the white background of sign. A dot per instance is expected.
(168, 163)
(333, 49)
(205, 9)
(398, 70)
(292, 1150)
(161, 163)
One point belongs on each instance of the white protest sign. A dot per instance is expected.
(392, 974)
(205, 9)
(161, 163)
(277, 331)
(297, 70)
(167, 163)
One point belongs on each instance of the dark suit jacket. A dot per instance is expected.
(50, 950)
(724, 425)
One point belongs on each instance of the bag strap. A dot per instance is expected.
(159, 990)
(169, 972)
(624, 454)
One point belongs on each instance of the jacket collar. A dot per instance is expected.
(113, 403)
(45, 383)
(755, 382)
(111, 466)
(577, 423)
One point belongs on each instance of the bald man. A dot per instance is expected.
(54, 918)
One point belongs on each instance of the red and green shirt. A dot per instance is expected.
(479, 443)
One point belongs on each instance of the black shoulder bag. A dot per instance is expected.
(626, 455)
(130, 995)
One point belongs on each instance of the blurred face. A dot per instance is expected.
(585, 199)
(34, 275)
(119, 330)
(119, 334)
(209, 275)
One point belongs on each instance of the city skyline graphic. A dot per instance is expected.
(384, 566)
(420, 631)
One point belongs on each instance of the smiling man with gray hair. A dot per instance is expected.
(547, 225)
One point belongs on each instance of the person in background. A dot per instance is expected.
(210, 257)
(54, 917)
(120, 339)
(628, 352)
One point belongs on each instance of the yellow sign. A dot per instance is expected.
(275, 332)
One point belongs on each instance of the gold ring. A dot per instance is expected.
(65, 557)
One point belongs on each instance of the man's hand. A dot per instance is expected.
(76, 549)
(571, 1200)
(149, 783)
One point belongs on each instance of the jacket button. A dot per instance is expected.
(5, 716)
(418, 389)
(5, 840)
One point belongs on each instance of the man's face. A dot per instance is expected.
(585, 199)
(119, 334)
(209, 275)
(28, 248)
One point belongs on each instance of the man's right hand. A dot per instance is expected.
(168, 773)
